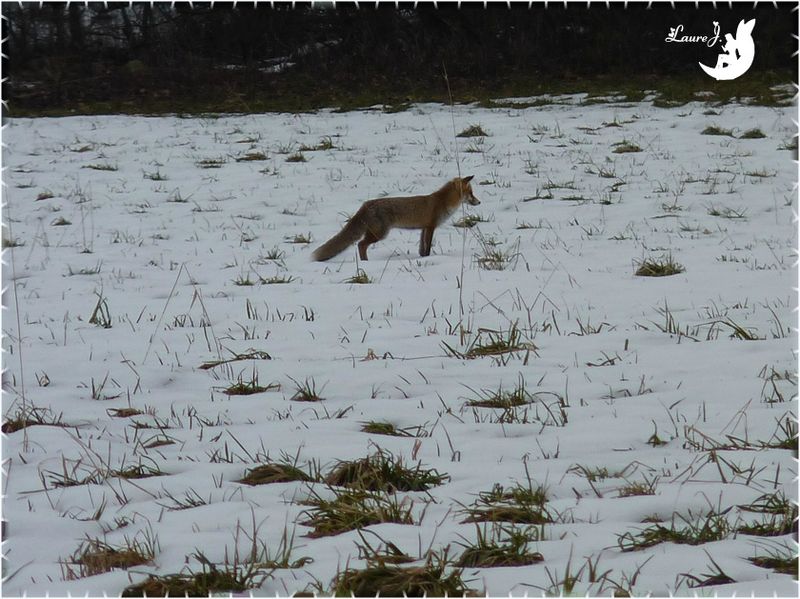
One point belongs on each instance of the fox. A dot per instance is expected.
(373, 221)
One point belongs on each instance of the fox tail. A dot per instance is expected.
(351, 233)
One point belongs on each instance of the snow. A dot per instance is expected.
(166, 273)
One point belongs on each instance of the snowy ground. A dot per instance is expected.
(151, 225)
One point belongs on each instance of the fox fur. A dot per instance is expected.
(376, 218)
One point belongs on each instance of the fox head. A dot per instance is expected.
(466, 191)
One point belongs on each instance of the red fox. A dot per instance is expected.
(376, 217)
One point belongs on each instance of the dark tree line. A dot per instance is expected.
(62, 53)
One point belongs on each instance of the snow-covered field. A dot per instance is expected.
(149, 247)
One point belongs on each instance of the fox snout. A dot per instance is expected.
(472, 200)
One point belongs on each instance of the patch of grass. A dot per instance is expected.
(384, 428)
(519, 504)
(296, 157)
(73, 473)
(123, 412)
(326, 143)
(102, 167)
(95, 557)
(752, 134)
(781, 558)
(737, 330)
(499, 546)
(30, 416)
(360, 278)
(276, 280)
(784, 437)
(383, 472)
(45, 195)
(8, 242)
(492, 257)
(726, 212)
(762, 174)
(490, 342)
(789, 145)
(470, 220)
(697, 530)
(244, 281)
(539, 196)
(101, 315)
(249, 355)
(395, 108)
(387, 428)
(661, 267)
(354, 509)
(434, 578)
(473, 131)
(282, 557)
(779, 516)
(714, 130)
(242, 387)
(86, 270)
(713, 578)
(254, 156)
(213, 579)
(595, 473)
(306, 391)
(60, 222)
(284, 471)
(638, 488)
(211, 162)
(154, 176)
(298, 238)
(625, 147)
(550, 185)
(274, 254)
(137, 471)
(190, 500)
(488, 398)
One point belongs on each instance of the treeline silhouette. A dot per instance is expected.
(59, 55)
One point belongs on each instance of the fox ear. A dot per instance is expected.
(467, 179)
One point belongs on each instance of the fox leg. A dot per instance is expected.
(370, 237)
(425, 241)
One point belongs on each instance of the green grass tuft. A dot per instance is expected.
(711, 527)
(360, 278)
(473, 131)
(714, 130)
(752, 134)
(384, 472)
(500, 546)
(434, 578)
(520, 504)
(354, 509)
(662, 267)
(625, 147)
(275, 472)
